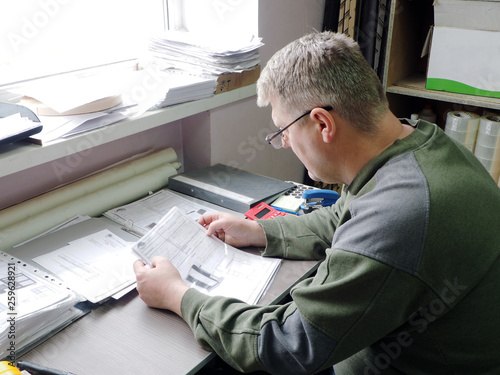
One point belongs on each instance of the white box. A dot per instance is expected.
(464, 61)
(467, 14)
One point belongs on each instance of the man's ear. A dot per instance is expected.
(325, 124)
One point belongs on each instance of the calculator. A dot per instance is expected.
(263, 211)
(292, 199)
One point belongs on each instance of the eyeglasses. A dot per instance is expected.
(275, 139)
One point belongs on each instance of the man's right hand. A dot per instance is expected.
(233, 230)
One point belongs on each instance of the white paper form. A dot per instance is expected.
(142, 215)
(206, 263)
(96, 266)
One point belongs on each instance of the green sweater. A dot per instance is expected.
(410, 282)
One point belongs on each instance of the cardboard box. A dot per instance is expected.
(231, 81)
(464, 61)
(467, 14)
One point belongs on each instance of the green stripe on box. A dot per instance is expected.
(458, 87)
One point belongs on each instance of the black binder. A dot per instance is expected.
(229, 187)
(14, 135)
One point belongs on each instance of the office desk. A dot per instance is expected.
(127, 337)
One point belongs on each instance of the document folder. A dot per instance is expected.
(229, 187)
(15, 130)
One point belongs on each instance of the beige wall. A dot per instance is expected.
(238, 130)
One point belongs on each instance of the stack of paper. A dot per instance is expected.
(68, 105)
(31, 306)
(206, 54)
(180, 88)
(142, 215)
(97, 266)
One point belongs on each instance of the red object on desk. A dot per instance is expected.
(263, 211)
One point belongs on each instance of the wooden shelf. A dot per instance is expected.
(405, 67)
(415, 86)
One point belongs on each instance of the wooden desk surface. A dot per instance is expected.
(127, 337)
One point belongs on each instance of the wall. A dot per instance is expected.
(238, 130)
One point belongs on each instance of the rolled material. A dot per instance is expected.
(42, 203)
(487, 148)
(84, 200)
(462, 126)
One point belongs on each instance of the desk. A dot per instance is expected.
(127, 337)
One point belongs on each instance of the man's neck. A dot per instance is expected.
(360, 148)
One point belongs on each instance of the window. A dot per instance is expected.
(44, 37)
(217, 16)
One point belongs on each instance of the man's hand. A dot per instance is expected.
(160, 286)
(233, 230)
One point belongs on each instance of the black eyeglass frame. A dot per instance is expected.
(270, 137)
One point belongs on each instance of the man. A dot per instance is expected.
(410, 279)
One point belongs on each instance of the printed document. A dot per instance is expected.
(206, 263)
(142, 215)
(96, 266)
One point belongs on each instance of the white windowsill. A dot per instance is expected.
(19, 157)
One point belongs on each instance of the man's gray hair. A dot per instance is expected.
(322, 69)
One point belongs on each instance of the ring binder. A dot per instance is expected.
(25, 124)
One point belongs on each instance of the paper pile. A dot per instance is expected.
(179, 87)
(209, 55)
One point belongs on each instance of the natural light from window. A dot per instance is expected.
(44, 37)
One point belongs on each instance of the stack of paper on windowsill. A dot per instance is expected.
(180, 87)
(68, 105)
(204, 55)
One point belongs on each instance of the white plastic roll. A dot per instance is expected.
(488, 144)
(463, 127)
(489, 131)
(112, 176)
(93, 203)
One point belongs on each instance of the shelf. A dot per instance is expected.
(415, 86)
(24, 155)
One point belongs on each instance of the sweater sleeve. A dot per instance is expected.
(333, 315)
(302, 237)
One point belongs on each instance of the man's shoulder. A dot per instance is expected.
(390, 216)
